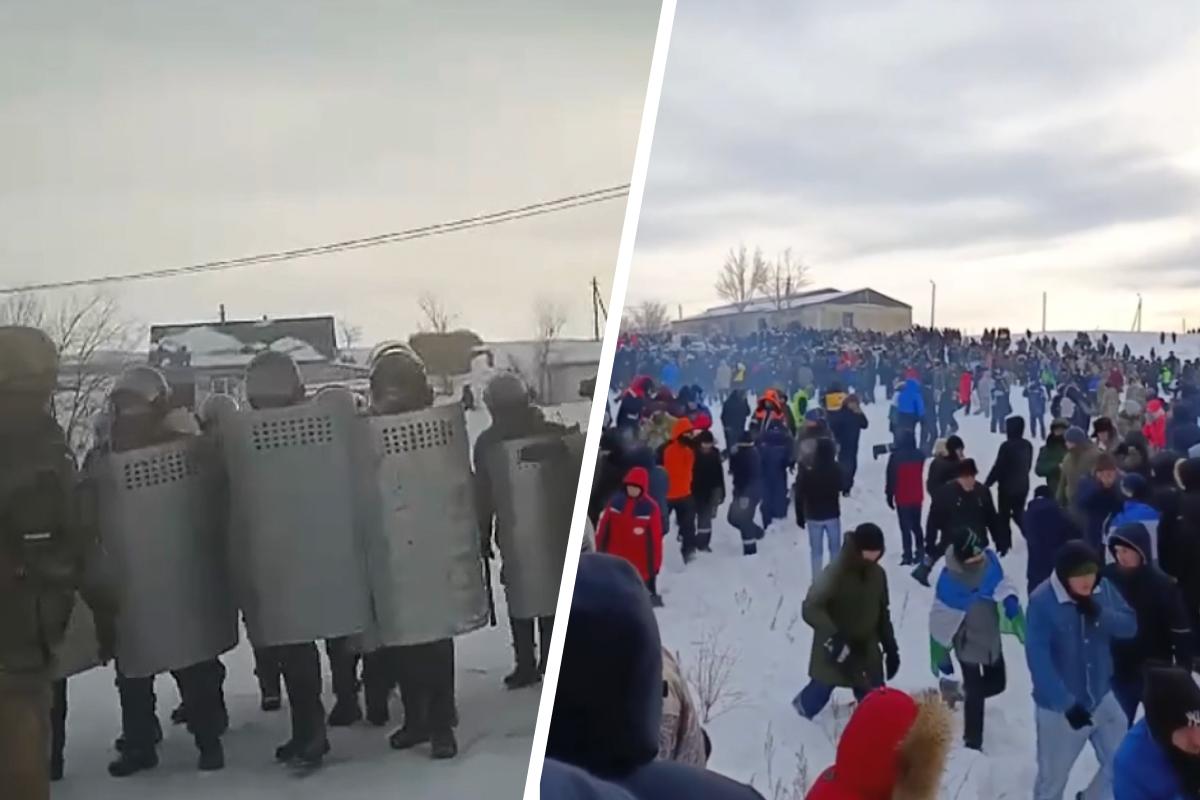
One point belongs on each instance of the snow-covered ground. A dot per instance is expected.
(749, 609)
(494, 736)
(1186, 347)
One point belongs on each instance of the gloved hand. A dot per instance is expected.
(891, 662)
(922, 572)
(891, 501)
(1078, 718)
(837, 648)
(1088, 607)
(1012, 606)
(947, 665)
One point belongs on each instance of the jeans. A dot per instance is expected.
(980, 682)
(821, 532)
(813, 698)
(1059, 746)
(1037, 422)
(741, 516)
(911, 535)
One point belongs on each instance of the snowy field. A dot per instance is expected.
(748, 609)
(1140, 344)
(494, 736)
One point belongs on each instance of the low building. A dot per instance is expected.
(822, 309)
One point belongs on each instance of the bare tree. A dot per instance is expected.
(742, 277)
(437, 318)
(550, 318)
(85, 328)
(351, 333)
(787, 275)
(649, 316)
(712, 676)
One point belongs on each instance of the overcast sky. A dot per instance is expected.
(1001, 149)
(137, 135)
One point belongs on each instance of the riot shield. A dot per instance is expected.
(296, 553)
(421, 532)
(534, 481)
(162, 529)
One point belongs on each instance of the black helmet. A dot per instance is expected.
(273, 381)
(399, 382)
(213, 407)
(140, 389)
(505, 390)
(28, 361)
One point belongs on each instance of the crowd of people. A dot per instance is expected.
(1110, 607)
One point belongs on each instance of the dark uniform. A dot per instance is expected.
(43, 555)
(140, 414)
(512, 418)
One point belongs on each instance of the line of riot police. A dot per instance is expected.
(313, 520)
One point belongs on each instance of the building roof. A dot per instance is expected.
(816, 297)
(233, 344)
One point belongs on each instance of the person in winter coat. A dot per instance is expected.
(983, 393)
(607, 715)
(642, 456)
(1001, 402)
(960, 506)
(723, 381)
(1035, 393)
(1179, 543)
(847, 424)
(818, 508)
(910, 405)
(1010, 474)
(854, 645)
(964, 392)
(947, 407)
(1182, 431)
(945, 464)
(1051, 456)
(1097, 500)
(1079, 462)
(905, 492)
(1105, 434)
(974, 603)
(1047, 529)
(775, 449)
(1160, 757)
(631, 527)
(678, 458)
(1137, 509)
(609, 474)
(815, 428)
(1164, 632)
(745, 469)
(1108, 400)
(1155, 429)
(680, 738)
(1072, 620)
(734, 413)
(708, 488)
(894, 746)
(1133, 454)
(634, 405)
(1131, 418)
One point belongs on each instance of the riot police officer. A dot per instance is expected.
(513, 417)
(425, 671)
(43, 557)
(140, 416)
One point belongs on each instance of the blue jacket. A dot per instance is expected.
(745, 466)
(1141, 769)
(1070, 659)
(1047, 529)
(608, 706)
(1095, 505)
(669, 376)
(1037, 398)
(910, 401)
(1136, 511)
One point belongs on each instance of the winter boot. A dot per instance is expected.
(922, 572)
(521, 677)
(378, 713)
(656, 601)
(179, 715)
(545, 635)
(406, 738)
(131, 762)
(212, 756)
(951, 691)
(272, 702)
(443, 745)
(346, 711)
(120, 745)
(312, 754)
(749, 548)
(526, 672)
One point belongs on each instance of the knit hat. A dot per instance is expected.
(1074, 560)
(955, 444)
(1102, 425)
(1172, 700)
(967, 467)
(1076, 436)
(1134, 485)
(868, 536)
(968, 545)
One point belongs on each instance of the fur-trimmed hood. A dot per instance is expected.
(894, 748)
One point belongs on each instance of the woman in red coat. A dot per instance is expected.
(631, 527)
(893, 747)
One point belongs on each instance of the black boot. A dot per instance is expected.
(131, 762)
(272, 702)
(58, 729)
(526, 672)
(443, 745)
(346, 711)
(179, 716)
(749, 548)
(545, 636)
(378, 713)
(406, 738)
(212, 756)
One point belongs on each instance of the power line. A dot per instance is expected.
(438, 229)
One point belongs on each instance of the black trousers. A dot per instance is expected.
(1011, 509)
(378, 676)
(300, 667)
(201, 691)
(58, 722)
(980, 682)
(685, 514)
(426, 676)
(523, 644)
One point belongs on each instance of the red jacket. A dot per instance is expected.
(631, 527)
(1155, 430)
(893, 746)
(964, 389)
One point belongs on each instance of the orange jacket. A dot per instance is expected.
(679, 459)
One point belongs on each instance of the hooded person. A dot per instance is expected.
(634, 403)
(1155, 428)
(894, 746)
(848, 608)
(631, 527)
(1164, 632)
(1047, 529)
(1072, 621)
(945, 464)
(818, 508)
(1132, 417)
(910, 405)
(678, 458)
(1160, 757)
(734, 413)
(708, 487)
(774, 442)
(904, 491)
(607, 715)
(1010, 475)
(745, 472)
(974, 603)
(1050, 456)
(961, 505)
(847, 424)
(1137, 510)
(1179, 541)
(1133, 454)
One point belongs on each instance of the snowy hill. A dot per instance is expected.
(1140, 344)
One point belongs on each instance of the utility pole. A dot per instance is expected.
(222, 313)
(933, 306)
(1044, 312)
(679, 309)
(597, 309)
(1137, 317)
